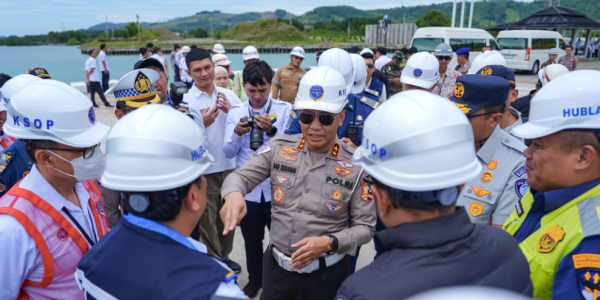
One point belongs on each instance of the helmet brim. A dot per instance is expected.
(417, 82)
(359, 86)
(319, 105)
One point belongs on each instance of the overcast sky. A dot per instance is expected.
(27, 17)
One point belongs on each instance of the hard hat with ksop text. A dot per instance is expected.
(322, 88)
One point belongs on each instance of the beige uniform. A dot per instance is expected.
(309, 200)
(285, 83)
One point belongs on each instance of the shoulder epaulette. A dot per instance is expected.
(229, 277)
(5, 159)
(374, 93)
(370, 102)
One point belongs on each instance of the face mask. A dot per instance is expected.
(85, 169)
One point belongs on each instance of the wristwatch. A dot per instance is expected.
(273, 132)
(333, 244)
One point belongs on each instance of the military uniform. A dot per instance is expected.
(464, 69)
(393, 72)
(569, 62)
(308, 200)
(15, 164)
(547, 63)
(285, 83)
(491, 197)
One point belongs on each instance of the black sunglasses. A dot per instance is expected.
(87, 152)
(473, 116)
(370, 66)
(325, 119)
(298, 57)
(444, 57)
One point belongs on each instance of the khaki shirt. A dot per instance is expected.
(285, 83)
(569, 62)
(491, 197)
(309, 200)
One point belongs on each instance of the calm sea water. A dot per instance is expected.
(66, 63)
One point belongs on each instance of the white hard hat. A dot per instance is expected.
(487, 58)
(341, 61)
(185, 49)
(218, 48)
(551, 72)
(297, 51)
(366, 50)
(56, 111)
(422, 69)
(144, 155)
(360, 73)
(468, 293)
(567, 102)
(322, 88)
(221, 60)
(553, 51)
(12, 86)
(418, 141)
(250, 52)
(443, 49)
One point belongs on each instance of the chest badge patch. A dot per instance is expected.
(521, 187)
(333, 207)
(487, 177)
(342, 172)
(62, 234)
(492, 165)
(287, 157)
(266, 147)
(337, 195)
(548, 240)
(278, 194)
(290, 150)
(100, 207)
(475, 209)
(281, 179)
(479, 192)
(344, 163)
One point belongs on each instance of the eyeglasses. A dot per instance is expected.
(444, 57)
(370, 66)
(473, 116)
(87, 152)
(325, 119)
(298, 57)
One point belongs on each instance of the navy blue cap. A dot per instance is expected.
(499, 71)
(40, 72)
(474, 91)
(462, 51)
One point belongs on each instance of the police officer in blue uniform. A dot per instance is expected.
(150, 254)
(14, 165)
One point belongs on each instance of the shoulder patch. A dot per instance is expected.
(2, 187)
(520, 171)
(229, 277)
(521, 187)
(586, 260)
(293, 114)
(301, 144)
(5, 159)
(266, 147)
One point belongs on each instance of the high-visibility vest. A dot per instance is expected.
(60, 244)
(560, 232)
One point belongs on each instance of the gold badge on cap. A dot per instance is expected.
(486, 71)
(465, 109)
(142, 83)
(459, 90)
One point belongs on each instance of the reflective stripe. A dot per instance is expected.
(90, 288)
(588, 216)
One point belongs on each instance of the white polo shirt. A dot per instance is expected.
(183, 67)
(198, 100)
(102, 57)
(239, 146)
(20, 257)
(90, 64)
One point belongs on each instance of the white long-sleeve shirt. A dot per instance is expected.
(239, 146)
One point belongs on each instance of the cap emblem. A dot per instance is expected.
(142, 83)
(316, 92)
(486, 71)
(92, 115)
(459, 90)
(418, 73)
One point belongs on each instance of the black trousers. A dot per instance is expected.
(105, 78)
(96, 88)
(253, 231)
(279, 283)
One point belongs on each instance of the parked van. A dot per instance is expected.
(528, 49)
(426, 39)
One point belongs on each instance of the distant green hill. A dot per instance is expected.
(268, 30)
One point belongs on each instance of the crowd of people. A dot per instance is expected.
(447, 171)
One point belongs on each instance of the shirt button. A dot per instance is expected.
(506, 141)
(312, 171)
(306, 191)
(490, 197)
(299, 211)
(294, 231)
(533, 216)
(470, 191)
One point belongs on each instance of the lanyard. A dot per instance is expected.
(268, 108)
(85, 235)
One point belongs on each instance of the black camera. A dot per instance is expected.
(178, 89)
(256, 134)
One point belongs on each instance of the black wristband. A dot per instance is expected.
(273, 132)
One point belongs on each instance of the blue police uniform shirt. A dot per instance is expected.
(569, 278)
(356, 113)
(16, 165)
(143, 251)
